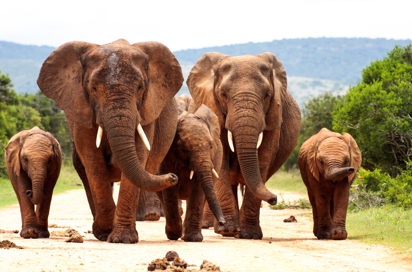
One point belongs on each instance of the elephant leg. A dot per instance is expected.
(208, 217)
(149, 208)
(314, 211)
(100, 180)
(141, 206)
(323, 216)
(249, 217)
(28, 217)
(228, 204)
(173, 227)
(124, 227)
(29, 227)
(340, 207)
(42, 214)
(78, 165)
(193, 218)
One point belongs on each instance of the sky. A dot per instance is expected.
(188, 24)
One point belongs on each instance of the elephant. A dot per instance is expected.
(33, 160)
(328, 162)
(196, 157)
(122, 118)
(259, 122)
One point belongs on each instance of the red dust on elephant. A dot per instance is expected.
(33, 161)
(328, 163)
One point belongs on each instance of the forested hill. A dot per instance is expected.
(313, 64)
(337, 59)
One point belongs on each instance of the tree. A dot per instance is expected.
(377, 112)
(316, 114)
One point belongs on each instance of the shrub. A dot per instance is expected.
(375, 188)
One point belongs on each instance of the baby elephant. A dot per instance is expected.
(328, 163)
(33, 160)
(196, 157)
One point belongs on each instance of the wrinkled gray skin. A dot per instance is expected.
(33, 161)
(328, 163)
(116, 86)
(196, 148)
(250, 97)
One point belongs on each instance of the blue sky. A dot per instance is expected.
(184, 24)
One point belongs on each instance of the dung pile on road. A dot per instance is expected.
(173, 263)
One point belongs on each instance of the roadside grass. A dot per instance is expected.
(68, 180)
(387, 225)
(287, 181)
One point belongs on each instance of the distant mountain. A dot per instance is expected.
(313, 65)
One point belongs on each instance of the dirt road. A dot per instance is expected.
(285, 246)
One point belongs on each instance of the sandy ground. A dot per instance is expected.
(284, 247)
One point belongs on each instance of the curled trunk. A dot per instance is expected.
(247, 130)
(121, 134)
(338, 173)
(249, 165)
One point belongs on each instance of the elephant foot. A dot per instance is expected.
(34, 232)
(173, 232)
(193, 237)
(323, 232)
(124, 236)
(322, 235)
(101, 233)
(250, 232)
(207, 221)
(339, 234)
(229, 229)
(153, 215)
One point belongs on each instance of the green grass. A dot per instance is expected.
(68, 180)
(287, 181)
(388, 225)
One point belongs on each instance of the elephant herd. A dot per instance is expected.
(238, 127)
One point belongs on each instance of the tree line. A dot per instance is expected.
(377, 112)
(24, 111)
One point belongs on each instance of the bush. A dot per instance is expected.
(375, 188)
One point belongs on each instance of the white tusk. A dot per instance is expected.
(143, 136)
(230, 140)
(99, 136)
(259, 142)
(215, 173)
(191, 174)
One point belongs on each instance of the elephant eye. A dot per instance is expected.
(321, 161)
(346, 160)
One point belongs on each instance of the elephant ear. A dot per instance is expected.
(281, 96)
(60, 79)
(57, 152)
(165, 79)
(12, 152)
(210, 118)
(355, 153)
(201, 81)
(307, 158)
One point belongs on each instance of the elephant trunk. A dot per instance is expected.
(206, 181)
(36, 193)
(338, 173)
(121, 134)
(247, 133)
(248, 161)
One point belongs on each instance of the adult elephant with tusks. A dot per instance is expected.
(123, 93)
(260, 123)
